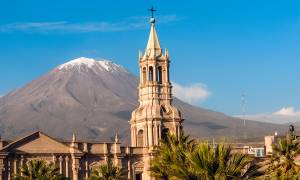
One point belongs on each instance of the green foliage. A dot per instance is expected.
(220, 163)
(107, 172)
(38, 170)
(183, 158)
(283, 164)
(170, 160)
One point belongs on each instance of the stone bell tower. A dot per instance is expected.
(155, 116)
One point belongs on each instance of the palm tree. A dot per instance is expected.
(170, 161)
(220, 163)
(38, 170)
(283, 163)
(183, 158)
(107, 172)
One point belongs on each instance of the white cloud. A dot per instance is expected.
(192, 94)
(69, 27)
(288, 111)
(284, 115)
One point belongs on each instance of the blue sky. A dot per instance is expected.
(225, 47)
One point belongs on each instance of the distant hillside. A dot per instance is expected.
(95, 100)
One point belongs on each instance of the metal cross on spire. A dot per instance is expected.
(152, 10)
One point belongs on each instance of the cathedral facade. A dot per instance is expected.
(150, 122)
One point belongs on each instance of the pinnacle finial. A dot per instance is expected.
(140, 54)
(116, 138)
(166, 52)
(73, 137)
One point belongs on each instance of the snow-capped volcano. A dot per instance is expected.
(83, 62)
(83, 95)
(95, 99)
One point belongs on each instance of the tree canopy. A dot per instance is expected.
(107, 172)
(38, 170)
(184, 158)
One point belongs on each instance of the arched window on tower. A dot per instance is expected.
(150, 73)
(159, 75)
(144, 75)
(140, 138)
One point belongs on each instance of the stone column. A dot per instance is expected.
(141, 75)
(60, 164)
(67, 166)
(147, 73)
(159, 132)
(15, 165)
(1, 168)
(128, 168)
(150, 129)
(133, 171)
(75, 167)
(8, 169)
(86, 169)
(154, 73)
(134, 136)
(54, 160)
(146, 134)
(144, 137)
(156, 134)
(21, 162)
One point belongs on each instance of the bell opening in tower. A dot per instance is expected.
(150, 73)
(159, 75)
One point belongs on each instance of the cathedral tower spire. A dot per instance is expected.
(155, 115)
(153, 46)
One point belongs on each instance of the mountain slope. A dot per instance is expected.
(203, 123)
(95, 99)
(297, 124)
